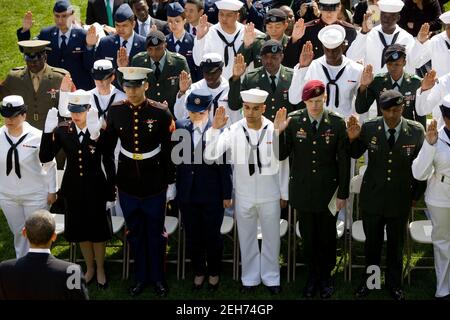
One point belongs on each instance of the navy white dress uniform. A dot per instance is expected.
(433, 164)
(85, 188)
(109, 45)
(201, 189)
(341, 81)
(211, 62)
(369, 47)
(68, 50)
(437, 49)
(184, 45)
(221, 42)
(144, 172)
(24, 182)
(428, 101)
(260, 181)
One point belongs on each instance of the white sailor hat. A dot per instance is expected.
(254, 96)
(445, 17)
(391, 6)
(445, 106)
(134, 76)
(332, 36)
(233, 5)
(12, 106)
(211, 62)
(79, 100)
(102, 69)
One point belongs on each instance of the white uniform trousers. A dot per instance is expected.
(440, 218)
(16, 211)
(259, 265)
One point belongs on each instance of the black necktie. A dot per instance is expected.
(124, 43)
(102, 112)
(385, 45)
(251, 157)
(215, 102)
(448, 45)
(81, 134)
(273, 85)
(228, 44)
(395, 85)
(157, 71)
(447, 131)
(63, 46)
(13, 149)
(333, 82)
(194, 31)
(391, 139)
(314, 127)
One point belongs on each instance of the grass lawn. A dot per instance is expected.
(423, 281)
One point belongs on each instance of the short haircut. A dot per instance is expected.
(40, 227)
(198, 3)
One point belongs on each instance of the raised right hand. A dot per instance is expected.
(51, 122)
(122, 57)
(432, 133)
(367, 76)
(249, 34)
(203, 27)
(185, 81)
(307, 55)
(298, 31)
(239, 66)
(429, 80)
(27, 21)
(66, 84)
(220, 118)
(281, 120)
(353, 128)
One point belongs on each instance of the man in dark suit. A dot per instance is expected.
(144, 21)
(102, 11)
(277, 87)
(129, 42)
(39, 275)
(193, 10)
(202, 212)
(71, 48)
(388, 188)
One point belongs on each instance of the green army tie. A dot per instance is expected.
(109, 14)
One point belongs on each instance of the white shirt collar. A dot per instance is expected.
(78, 129)
(202, 127)
(181, 39)
(146, 22)
(277, 75)
(130, 40)
(37, 250)
(67, 34)
(399, 81)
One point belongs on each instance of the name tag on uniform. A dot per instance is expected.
(77, 50)
(285, 94)
(172, 80)
(28, 146)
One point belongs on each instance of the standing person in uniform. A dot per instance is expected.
(304, 32)
(316, 140)
(167, 67)
(25, 184)
(340, 74)
(214, 82)
(145, 170)
(202, 212)
(396, 78)
(272, 77)
(37, 82)
(39, 275)
(260, 183)
(433, 164)
(392, 142)
(179, 40)
(225, 37)
(71, 48)
(85, 188)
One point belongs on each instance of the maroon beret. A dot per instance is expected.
(312, 89)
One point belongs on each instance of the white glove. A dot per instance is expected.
(93, 123)
(51, 122)
(63, 104)
(171, 192)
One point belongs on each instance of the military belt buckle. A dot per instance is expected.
(35, 117)
(138, 156)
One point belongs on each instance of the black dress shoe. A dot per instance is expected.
(445, 298)
(274, 290)
(197, 287)
(136, 289)
(362, 291)
(397, 294)
(102, 286)
(161, 289)
(213, 287)
(326, 288)
(310, 289)
(248, 289)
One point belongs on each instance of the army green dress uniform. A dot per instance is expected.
(319, 164)
(388, 187)
(252, 53)
(259, 78)
(163, 87)
(382, 82)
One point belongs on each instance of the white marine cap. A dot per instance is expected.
(134, 73)
(103, 64)
(391, 6)
(233, 5)
(332, 36)
(79, 97)
(254, 96)
(445, 17)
